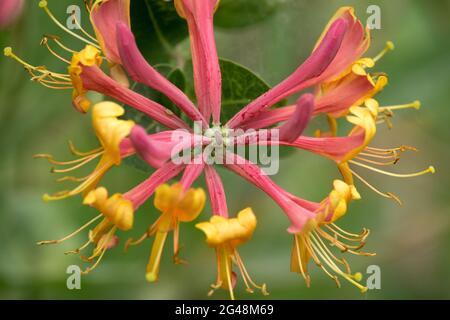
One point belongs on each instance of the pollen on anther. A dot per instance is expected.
(7, 51)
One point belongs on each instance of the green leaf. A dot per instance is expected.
(240, 86)
(157, 28)
(242, 13)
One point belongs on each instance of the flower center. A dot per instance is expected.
(219, 135)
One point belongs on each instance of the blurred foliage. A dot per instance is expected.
(411, 241)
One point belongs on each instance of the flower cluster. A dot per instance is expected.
(343, 89)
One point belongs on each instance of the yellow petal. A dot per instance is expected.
(118, 210)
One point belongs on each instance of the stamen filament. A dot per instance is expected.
(79, 165)
(44, 42)
(316, 245)
(389, 47)
(50, 159)
(9, 53)
(82, 29)
(76, 152)
(43, 5)
(328, 251)
(70, 178)
(299, 259)
(228, 273)
(92, 177)
(317, 260)
(430, 169)
(59, 43)
(72, 234)
(379, 163)
(388, 195)
(416, 105)
(78, 250)
(104, 247)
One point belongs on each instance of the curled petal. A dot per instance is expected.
(296, 124)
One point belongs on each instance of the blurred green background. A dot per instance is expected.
(411, 241)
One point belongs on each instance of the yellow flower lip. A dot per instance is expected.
(89, 56)
(116, 208)
(233, 232)
(109, 129)
(184, 206)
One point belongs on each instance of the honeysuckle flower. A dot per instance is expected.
(342, 43)
(342, 88)
(10, 10)
(104, 14)
(110, 132)
(225, 235)
(311, 243)
(176, 205)
(117, 213)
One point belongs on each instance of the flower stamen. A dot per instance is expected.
(430, 169)
(44, 5)
(389, 47)
(45, 242)
(388, 195)
(44, 42)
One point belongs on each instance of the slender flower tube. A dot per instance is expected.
(311, 70)
(104, 15)
(216, 192)
(341, 44)
(87, 74)
(10, 10)
(333, 98)
(207, 76)
(225, 235)
(140, 71)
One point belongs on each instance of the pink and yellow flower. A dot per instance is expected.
(343, 89)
